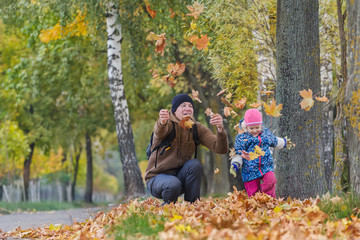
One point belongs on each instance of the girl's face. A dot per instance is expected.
(254, 130)
(184, 109)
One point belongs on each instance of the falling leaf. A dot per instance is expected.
(176, 69)
(193, 38)
(150, 11)
(195, 95)
(322, 99)
(202, 42)
(160, 44)
(186, 122)
(233, 113)
(170, 80)
(307, 102)
(209, 112)
(255, 105)
(240, 103)
(193, 26)
(154, 73)
(172, 13)
(216, 171)
(226, 102)
(227, 111)
(239, 130)
(196, 9)
(152, 36)
(272, 109)
(267, 92)
(336, 200)
(228, 96)
(221, 92)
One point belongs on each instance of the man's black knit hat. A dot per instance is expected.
(179, 99)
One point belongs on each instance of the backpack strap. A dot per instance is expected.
(166, 143)
(195, 138)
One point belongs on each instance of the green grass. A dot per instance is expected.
(138, 225)
(8, 207)
(336, 208)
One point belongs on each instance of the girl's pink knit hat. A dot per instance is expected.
(252, 117)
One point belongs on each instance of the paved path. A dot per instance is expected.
(27, 220)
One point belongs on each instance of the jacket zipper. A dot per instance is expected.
(260, 156)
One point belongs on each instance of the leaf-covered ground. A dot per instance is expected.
(234, 217)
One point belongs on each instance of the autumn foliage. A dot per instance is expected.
(234, 217)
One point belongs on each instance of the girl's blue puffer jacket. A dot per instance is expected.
(253, 169)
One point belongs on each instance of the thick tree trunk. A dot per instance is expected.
(352, 93)
(339, 154)
(134, 185)
(26, 172)
(89, 170)
(300, 171)
(75, 173)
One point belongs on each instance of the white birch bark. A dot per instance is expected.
(134, 186)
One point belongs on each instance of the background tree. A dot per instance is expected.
(297, 42)
(352, 92)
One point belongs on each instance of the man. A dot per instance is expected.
(172, 171)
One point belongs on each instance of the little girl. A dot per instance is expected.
(257, 174)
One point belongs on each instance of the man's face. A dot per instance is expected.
(184, 109)
(254, 130)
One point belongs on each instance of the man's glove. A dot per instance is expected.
(234, 168)
(289, 143)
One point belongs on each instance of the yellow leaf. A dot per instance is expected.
(193, 26)
(255, 105)
(253, 155)
(186, 122)
(54, 228)
(277, 209)
(259, 151)
(307, 102)
(272, 109)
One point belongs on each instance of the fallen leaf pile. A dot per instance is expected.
(234, 217)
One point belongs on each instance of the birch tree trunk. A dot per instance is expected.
(352, 93)
(134, 185)
(299, 171)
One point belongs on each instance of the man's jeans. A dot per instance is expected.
(186, 180)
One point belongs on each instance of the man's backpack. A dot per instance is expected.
(166, 142)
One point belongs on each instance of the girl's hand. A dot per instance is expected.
(245, 155)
